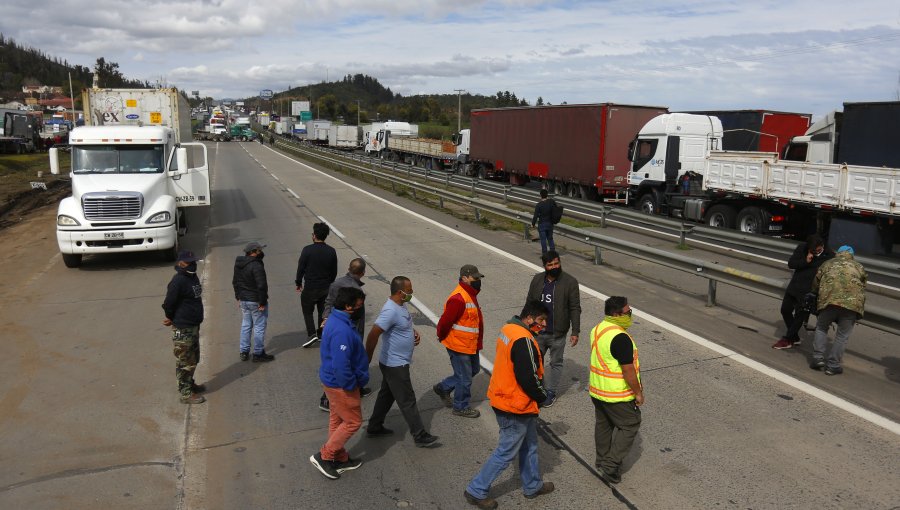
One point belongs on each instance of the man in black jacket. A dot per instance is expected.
(316, 269)
(183, 307)
(252, 293)
(543, 219)
(805, 262)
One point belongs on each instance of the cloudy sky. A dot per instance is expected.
(793, 55)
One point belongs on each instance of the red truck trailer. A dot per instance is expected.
(759, 130)
(577, 150)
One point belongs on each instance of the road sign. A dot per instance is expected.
(305, 116)
(266, 94)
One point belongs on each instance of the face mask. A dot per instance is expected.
(406, 297)
(191, 268)
(260, 255)
(624, 321)
(356, 315)
(475, 284)
(555, 272)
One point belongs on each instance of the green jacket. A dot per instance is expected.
(841, 282)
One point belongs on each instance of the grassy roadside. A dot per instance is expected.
(18, 171)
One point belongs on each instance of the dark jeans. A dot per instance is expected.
(396, 385)
(616, 425)
(310, 298)
(465, 366)
(545, 231)
(794, 317)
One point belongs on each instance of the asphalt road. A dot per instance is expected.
(90, 412)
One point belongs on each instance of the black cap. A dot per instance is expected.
(186, 256)
(253, 246)
(470, 270)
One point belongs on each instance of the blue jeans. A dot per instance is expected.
(465, 366)
(518, 436)
(255, 319)
(545, 231)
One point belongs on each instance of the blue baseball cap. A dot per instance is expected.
(846, 248)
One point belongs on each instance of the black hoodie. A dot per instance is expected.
(249, 280)
(183, 304)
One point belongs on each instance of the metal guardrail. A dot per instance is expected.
(875, 317)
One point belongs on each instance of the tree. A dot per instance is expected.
(539, 102)
(327, 106)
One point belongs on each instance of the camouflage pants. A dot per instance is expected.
(187, 354)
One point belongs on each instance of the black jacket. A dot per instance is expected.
(543, 212)
(317, 266)
(249, 280)
(804, 272)
(183, 304)
(566, 302)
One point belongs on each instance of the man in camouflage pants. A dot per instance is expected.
(841, 287)
(183, 307)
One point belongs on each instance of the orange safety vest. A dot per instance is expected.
(606, 380)
(504, 391)
(463, 336)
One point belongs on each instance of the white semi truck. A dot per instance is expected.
(134, 170)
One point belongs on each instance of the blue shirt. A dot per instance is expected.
(397, 341)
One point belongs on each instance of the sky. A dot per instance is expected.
(805, 56)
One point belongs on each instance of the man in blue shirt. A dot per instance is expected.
(394, 326)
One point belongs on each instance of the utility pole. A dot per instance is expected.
(357, 112)
(459, 109)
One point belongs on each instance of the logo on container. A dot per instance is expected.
(132, 116)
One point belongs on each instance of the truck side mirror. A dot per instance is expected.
(54, 161)
(181, 160)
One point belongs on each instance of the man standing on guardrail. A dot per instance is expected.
(841, 288)
(316, 270)
(559, 293)
(805, 261)
(543, 219)
(615, 388)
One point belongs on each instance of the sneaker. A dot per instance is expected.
(245, 356)
(610, 477)
(324, 405)
(797, 341)
(198, 388)
(365, 392)
(262, 357)
(817, 365)
(784, 343)
(551, 399)
(488, 503)
(547, 488)
(193, 398)
(467, 412)
(326, 467)
(309, 343)
(379, 432)
(426, 440)
(443, 395)
(834, 371)
(348, 465)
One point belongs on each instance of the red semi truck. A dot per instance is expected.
(576, 150)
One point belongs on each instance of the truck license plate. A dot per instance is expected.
(114, 235)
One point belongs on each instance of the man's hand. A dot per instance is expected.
(639, 399)
(416, 337)
(573, 340)
(809, 257)
(299, 288)
(262, 308)
(167, 322)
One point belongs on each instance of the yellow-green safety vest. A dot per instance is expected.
(606, 380)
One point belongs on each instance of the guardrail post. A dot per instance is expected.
(473, 187)
(527, 229)
(376, 179)
(441, 202)
(711, 293)
(447, 184)
(685, 229)
(598, 256)
(426, 175)
(414, 194)
(477, 215)
(408, 171)
(604, 211)
(506, 194)
(393, 186)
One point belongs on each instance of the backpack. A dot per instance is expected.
(556, 212)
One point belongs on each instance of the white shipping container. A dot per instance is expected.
(343, 137)
(133, 107)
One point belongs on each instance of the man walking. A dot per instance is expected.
(543, 219)
(805, 261)
(183, 307)
(394, 325)
(615, 387)
(353, 279)
(316, 269)
(461, 330)
(841, 288)
(515, 391)
(558, 291)
(344, 370)
(251, 289)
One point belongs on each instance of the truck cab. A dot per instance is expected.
(819, 144)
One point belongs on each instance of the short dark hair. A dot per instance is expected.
(357, 266)
(398, 283)
(321, 230)
(348, 296)
(543, 193)
(615, 304)
(533, 309)
(550, 255)
(814, 241)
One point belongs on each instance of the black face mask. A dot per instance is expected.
(555, 272)
(260, 255)
(475, 284)
(356, 315)
(190, 268)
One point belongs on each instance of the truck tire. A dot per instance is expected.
(720, 216)
(751, 220)
(648, 203)
(72, 260)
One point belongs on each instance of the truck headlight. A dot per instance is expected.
(160, 217)
(67, 221)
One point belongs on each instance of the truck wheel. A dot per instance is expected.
(71, 259)
(751, 220)
(648, 203)
(720, 216)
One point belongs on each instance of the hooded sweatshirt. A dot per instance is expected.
(183, 304)
(249, 280)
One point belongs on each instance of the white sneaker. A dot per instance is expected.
(311, 341)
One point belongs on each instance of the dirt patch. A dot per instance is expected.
(20, 205)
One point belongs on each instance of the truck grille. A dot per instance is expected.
(112, 205)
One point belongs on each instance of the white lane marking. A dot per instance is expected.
(795, 383)
(275, 177)
(294, 194)
(336, 231)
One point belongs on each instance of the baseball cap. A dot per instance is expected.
(186, 256)
(470, 270)
(846, 248)
(253, 246)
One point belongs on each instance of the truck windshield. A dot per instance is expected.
(106, 159)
